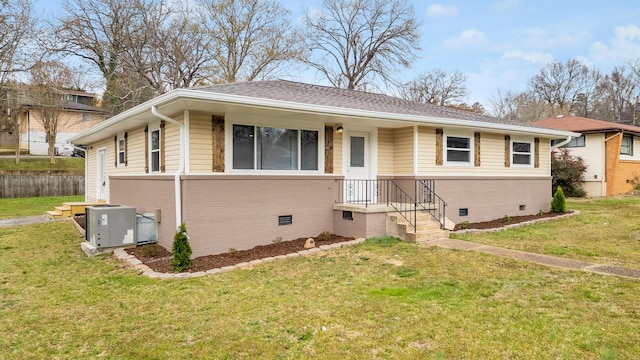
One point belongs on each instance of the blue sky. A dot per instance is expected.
(501, 44)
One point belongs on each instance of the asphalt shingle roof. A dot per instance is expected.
(285, 90)
(581, 124)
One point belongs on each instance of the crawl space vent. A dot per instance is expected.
(285, 219)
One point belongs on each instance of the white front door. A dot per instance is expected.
(358, 188)
(101, 177)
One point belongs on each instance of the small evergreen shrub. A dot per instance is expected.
(181, 250)
(507, 219)
(559, 202)
(464, 225)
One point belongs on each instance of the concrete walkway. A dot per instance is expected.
(25, 220)
(536, 258)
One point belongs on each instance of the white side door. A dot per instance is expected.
(101, 178)
(358, 169)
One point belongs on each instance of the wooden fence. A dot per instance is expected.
(30, 184)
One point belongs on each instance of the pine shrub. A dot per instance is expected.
(181, 250)
(559, 202)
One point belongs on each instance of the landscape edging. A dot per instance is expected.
(511, 226)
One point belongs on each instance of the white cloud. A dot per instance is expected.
(467, 38)
(625, 45)
(534, 57)
(439, 10)
(540, 38)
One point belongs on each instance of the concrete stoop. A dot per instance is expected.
(427, 229)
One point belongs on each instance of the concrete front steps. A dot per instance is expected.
(71, 209)
(427, 228)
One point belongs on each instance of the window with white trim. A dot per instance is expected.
(626, 147)
(121, 150)
(270, 148)
(154, 150)
(574, 142)
(458, 149)
(521, 153)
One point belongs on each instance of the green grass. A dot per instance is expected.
(74, 165)
(12, 208)
(607, 232)
(381, 299)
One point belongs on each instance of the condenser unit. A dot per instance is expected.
(110, 225)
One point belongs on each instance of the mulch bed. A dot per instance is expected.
(498, 223)
(159, 259)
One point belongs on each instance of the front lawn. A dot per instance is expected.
(380, 299)
(607, 232)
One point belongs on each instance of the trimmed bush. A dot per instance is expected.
(559, 202)
(181, 250)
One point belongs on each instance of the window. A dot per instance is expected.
(86, 116)
(575, 142)
(521, 153)
(155, 150)
(626, 147)
(122, 150)
(268, 148)
(458, 150)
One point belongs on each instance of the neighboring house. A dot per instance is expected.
(78, 114)
(245, 164)
(611, 153)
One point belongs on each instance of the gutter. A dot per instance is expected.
(180, 172)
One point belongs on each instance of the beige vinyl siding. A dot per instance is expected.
(385, 151)
(491, 157)
(426, 149)
(90, 176)
(135, 153)
(337, 153)
(172, 146)
(592, 154)
(403, 151)
(200, 143)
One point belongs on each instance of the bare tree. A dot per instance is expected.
(521, 107)
(250, 38)
(353, 42)
(436, 87)
(562, 85)
(45, 91)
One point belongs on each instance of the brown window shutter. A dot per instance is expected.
(126, 149)
(439, 147)
(115, 150)
(146, 149)
(217, 141)
(507, 151)
(536, 154)
(328, 149)
(476, 145)
(162, 148)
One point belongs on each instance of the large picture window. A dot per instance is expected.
(268, 148)
(458, 149)
(626, 147)
(521, 153)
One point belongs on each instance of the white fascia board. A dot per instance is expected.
(191, 94)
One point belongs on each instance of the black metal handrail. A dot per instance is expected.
(426, 194)
(388, 192)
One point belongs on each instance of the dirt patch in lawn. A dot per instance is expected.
(507, 220)
(159, 259)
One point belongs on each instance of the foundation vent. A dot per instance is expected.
(463, 212)
(347, 215)
(285, 219)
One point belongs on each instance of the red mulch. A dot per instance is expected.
(159, 259)
(498, 223)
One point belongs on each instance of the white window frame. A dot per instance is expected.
(233, 119)
(152, 128)
(119, 150)
(531, 152)
(471, 150)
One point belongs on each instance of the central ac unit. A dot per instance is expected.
(110, 225)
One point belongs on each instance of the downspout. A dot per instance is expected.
(177, 187)
(561, 144)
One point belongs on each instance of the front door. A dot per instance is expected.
(101, 177)
(359, 188)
